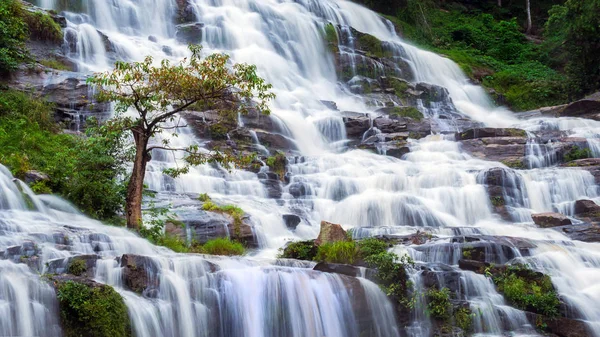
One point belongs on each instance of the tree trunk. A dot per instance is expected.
(135, 188)
(499, 3)
(529, 24)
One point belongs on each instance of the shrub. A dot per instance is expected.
(222, 246)
(42, 27)
(77, 267)
(331, 37)
(463, 318)
(13, 35)
(95, 312)
(439, 305)
(301, 250)
(577, 153)
(371, 246)
(528, 290)
(410, 112)
(338, 252)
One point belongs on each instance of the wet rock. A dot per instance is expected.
(189, 32)
(330, 232)
(212, 225)
(185, 12)
(587, 209)
(291, 221)
(275, 141)
(560, 326)
(32, 177)
(439, 276)
(504, 145)
(299, 189)
(167, 50)
(550, 219)
(356, 126)
(336, 268)
(273, 185)
(152, 38)
(140, 273)
(585, 232)
(472, 265)
(479, 133)
(588, 107)
(388, 125)
(590, 164)
(331, 105)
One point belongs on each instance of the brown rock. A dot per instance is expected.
(587, 208)
(330, 232)
(550, 219)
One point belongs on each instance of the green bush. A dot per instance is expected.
(13, 33)
(410, 112)
(42, 27)
(222, 246)
(577, 153)
(338, 252)
(94, 312)
(528, 290)
(372, 246)
(438, 303)
(235, 212)
(463, 318)
(77, 267)
(301, 250)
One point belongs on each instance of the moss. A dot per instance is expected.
(204, 197)
(277, 164)
(55, 64)
(497, 201)
(467, 253)
(77, 267)
(577, 153)
(400, 88)
(514, 163)
(516, 132)
(438, 303)
(410, 112)
(301, 250)
(338, 252)
(235, 212)
(373, 46)
(92, 311)
(528, 290)
(42, 27)
(331, 37)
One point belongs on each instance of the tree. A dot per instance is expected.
(156, 94)
(528, 10)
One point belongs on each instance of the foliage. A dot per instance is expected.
(83, 170)
(577, 153)
(338, 252)
(372, 246)
(77, 267)
(489, 46)
(392, 276)
(331, 37)
(222, 246)
(95, 312)
(463, 318)
(300, 250)
(235, 212)
(528, 290)
(410, 112)
(372, 45)
(42, 27)
(438, 303)
(54, 64)
(13, 33)
(277, 163)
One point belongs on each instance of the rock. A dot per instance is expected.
(504, 145)
(207, 226)
(587, 208)
(152, 38)
(356, 126)
(472, 265)
(583, 232)
(560, 326)
(440, 276)
(185, 12)
(299, 189)
(588, 107)
(550, 219)
(331, 105)
(140, 273)
(330, 232)
(388, 125)
(479, 133)
(32, 177)
(276, 141)
(336, 268)
(291, 221)
(189, 32)
(167, 50)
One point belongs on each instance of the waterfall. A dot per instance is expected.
(437, 188)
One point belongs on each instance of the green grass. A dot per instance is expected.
(338, 252)
(410, 112)
(54, 64)
(222, 246)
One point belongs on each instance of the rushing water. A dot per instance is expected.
(436, 187)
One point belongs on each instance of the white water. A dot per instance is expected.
(436, 187)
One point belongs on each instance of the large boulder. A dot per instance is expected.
(336, 268)
(588, 107)
(207, 226)
(330, 232)
(504, 145)
(140, 274)
(587, 208)
(189, 32)
(550, 219)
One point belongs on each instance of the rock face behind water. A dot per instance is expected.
(330, 232)
(550, 219)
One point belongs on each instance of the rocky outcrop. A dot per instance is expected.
(504, 188)
(336, 268)
(559, 326)
(587, 209)
(140, 274)
(330, 232)
(550, 219)
(207, 226)
(189, 32)
(504, 145)
(588, 107)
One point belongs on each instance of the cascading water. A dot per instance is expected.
(436, 187)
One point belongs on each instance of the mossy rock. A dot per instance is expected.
(407, 111)
(88, 308)
(372, 46)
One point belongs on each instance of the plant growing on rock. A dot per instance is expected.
(158, 93)
(439, 305)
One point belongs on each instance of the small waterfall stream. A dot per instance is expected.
(436, 187)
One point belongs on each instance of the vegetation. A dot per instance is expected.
(577, 153)
(410, 112)
(235, 212)
(528, 290)
(438, 303)
(372, 46)
(92, 311)
(42, 27)
(77, 267)
(463, 318)
(331, 36)
(157, 94)
(277, 164)
(84, 170)
(301, 250)
(54, 64)
(222, 246)
(338, 252)
(490, 44)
